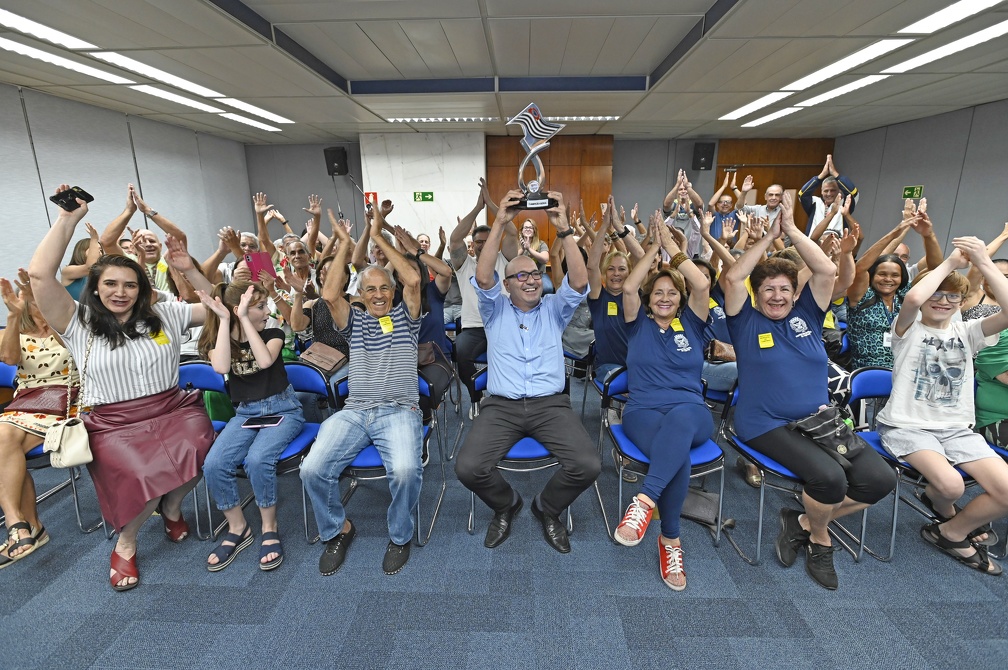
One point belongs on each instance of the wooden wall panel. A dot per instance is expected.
(789, 163)
(502, 151)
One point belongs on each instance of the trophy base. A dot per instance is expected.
(536, 201)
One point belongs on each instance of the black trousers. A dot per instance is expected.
(469, 344)
(551, 421)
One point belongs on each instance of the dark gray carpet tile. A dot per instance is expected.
(156, 644)
(950, 621)
(704, 617)
(864, 631)
(759, 653)
(776, 617)
(31, 638)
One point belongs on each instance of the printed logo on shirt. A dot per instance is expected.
(682, 343)
(718, 313)
(799, 327)
(941, 370)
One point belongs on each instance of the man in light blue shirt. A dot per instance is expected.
(525, 383)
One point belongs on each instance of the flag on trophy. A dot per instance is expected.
(537, 131)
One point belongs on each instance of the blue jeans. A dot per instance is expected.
(394, 430)
(259, 448)
(720, 376)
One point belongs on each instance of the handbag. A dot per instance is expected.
(719, 352)
(325, 358)
(66, 441)
(42, 399)
(832, 430)
(425, 354)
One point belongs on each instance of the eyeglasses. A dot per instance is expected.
(523, 276)
(953, 298)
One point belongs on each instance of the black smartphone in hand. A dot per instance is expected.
(68, 199)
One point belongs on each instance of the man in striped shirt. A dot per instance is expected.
(383, 406)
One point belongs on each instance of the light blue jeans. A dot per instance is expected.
(259, 448)
(394, 430)
(720, 376)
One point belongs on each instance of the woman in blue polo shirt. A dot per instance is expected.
(665, 415)
(605, 302)
(782, 377)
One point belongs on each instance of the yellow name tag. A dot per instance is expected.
(830, 320)
(712, 304)
(765, 340)
(386, 324)
(612, 309)
(676, 325)
(161, 338)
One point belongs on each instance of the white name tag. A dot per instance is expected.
(887, 340)
(537, 204)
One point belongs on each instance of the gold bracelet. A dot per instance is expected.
(678, 260)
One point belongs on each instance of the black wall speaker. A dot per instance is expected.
(336, 161)
(703, 155)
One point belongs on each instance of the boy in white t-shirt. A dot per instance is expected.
(929, 418)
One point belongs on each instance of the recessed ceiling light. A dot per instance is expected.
(840, 90)
(154, 73)
(951, 14)
(23, 25)
(768, 99)
(444, 119)
(869, 53)
(167, 95)
(252, 109)
(581, 118)
(59, 61)
(770, 117)
(985, 35)
(250, 122)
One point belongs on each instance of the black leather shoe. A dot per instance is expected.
(792, 537)
(553, 530)
(819, 565)
(335, 551)
(500, 525)
(396, 556)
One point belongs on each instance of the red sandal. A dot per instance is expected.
(121, 569)
(176, 530)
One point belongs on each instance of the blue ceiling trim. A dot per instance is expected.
(381, 86)
(250, 18)
(634, 83)
(702, 27)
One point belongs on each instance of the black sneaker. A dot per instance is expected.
(819, 565)
(396, 556)
(335, 551)
(791, 538)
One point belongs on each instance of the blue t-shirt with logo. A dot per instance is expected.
(782, 366)
(717, 324)
(610, 329)
(664, 368)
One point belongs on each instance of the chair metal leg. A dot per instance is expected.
(441, 494)
(471, 527)
(199, 527)
(80, 522)
(304, 511)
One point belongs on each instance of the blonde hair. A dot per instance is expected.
(953, 283)
(230, 295)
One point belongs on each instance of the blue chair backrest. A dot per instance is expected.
(343, 389)
(306, 379)
(619, 384)
(202, 376)
(870, 383)
(7, 375)
(480, 381)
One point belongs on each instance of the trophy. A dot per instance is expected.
(537, 136)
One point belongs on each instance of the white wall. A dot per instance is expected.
(958, 157)
(644, 171)
(198, 181)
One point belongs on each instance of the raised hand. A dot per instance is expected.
(386, 207)
(92, 233)
(230, 239)
(786, 216)
(314, 206)
(847, 202)
(557, 215)
(825, 168)
(275, 214)
(622, 215)
(242, 309)
(909, 209)
(291, 280)
(922, 223)
(507, 209)
(747, 184)
(727, 229)
(442, 238)
(742, 217)
(15, 303)
(708, 220)
(130, 205)
(406, 240)
(971, 247)
(267, 280)
(144, 208)
(776, 229)
(79, 213)
(177, 255)
(922, 207)
(260, 204)
(215, 305)
(633, 212)
(850, 239)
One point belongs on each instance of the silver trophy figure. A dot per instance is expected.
(537, 136)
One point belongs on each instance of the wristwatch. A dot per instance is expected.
(565, 233)
(153, 212)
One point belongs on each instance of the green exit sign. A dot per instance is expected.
(913, 191)
(423, 196)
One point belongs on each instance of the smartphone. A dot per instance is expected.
(262, 422)
(68, 199)
(257, 261)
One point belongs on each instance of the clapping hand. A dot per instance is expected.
(314, 206)
(260, 204)
(178, 255)
(215, 305)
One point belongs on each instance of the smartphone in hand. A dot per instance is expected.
(68, 199)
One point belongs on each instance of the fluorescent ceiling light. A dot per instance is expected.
(59, 61)
(252, 109)
(23, 25)
(768, 99)
(870, 52)
(985, 35)
(951, 14)
(250, 122)
(154, 73)
(160, 93)
(444, 119)
(581, 118)
(770, 117)
(840, 90)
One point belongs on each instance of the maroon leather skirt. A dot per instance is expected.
(145, 448)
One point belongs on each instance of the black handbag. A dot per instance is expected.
(832, 430)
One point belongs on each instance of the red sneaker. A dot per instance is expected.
(670, 559)
(634, 524)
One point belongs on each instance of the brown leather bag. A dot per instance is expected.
(325, 358)
(42, 400)
(719, 352)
